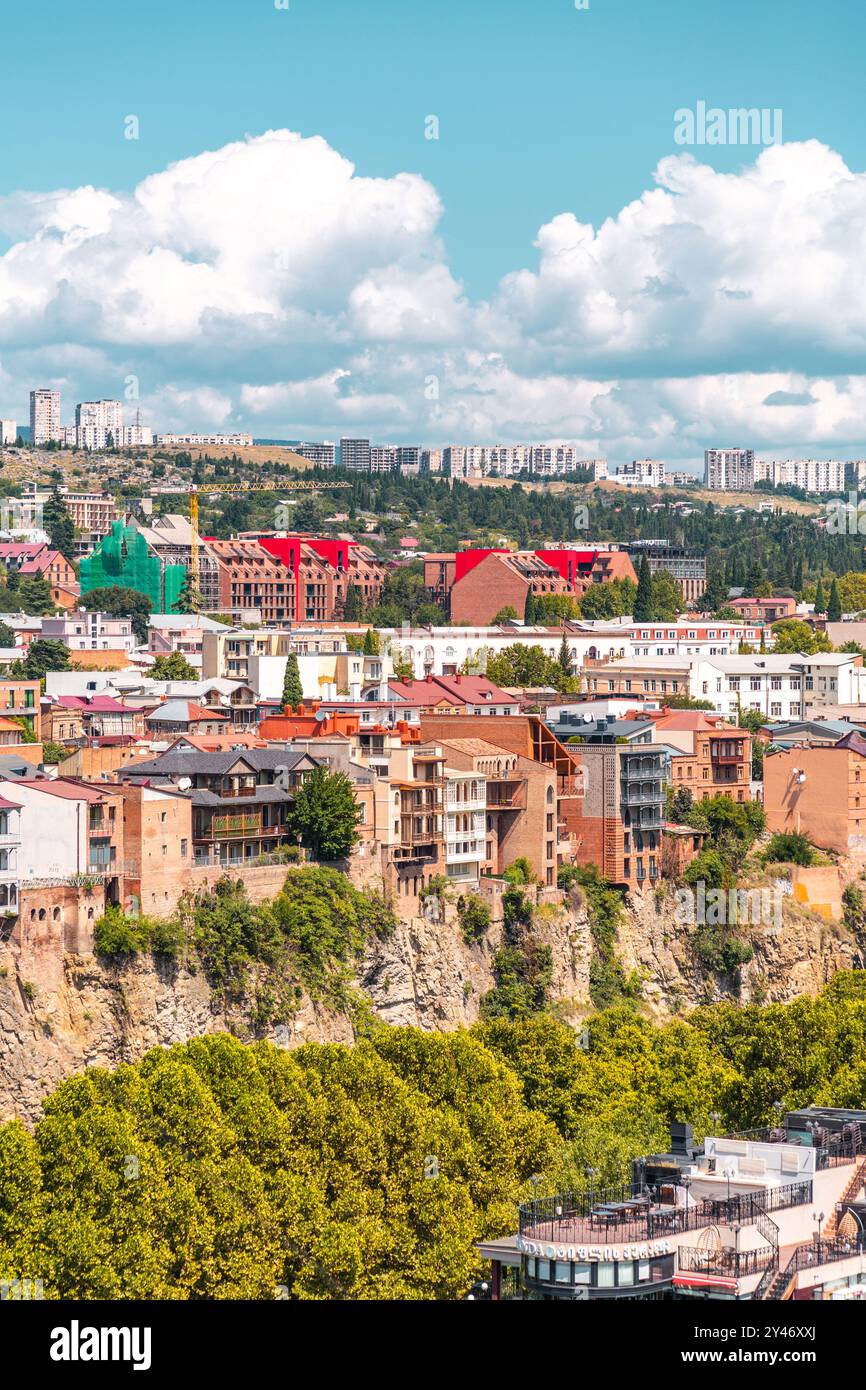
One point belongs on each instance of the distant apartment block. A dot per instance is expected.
(737, 470)
(511, 460)
(44, 416)
(323, 455)
(812, 475)
(408, 459)
(729, 470)
(92, 513)
(98, 424)
(646, 472)
(172, 441)
(687, 567)
(383, 458)
(355, 455)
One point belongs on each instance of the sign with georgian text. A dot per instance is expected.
(646, 1251)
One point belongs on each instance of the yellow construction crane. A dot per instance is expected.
(194, 492)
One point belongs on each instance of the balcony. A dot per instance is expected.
(632, 796)
(506, 796)
(725, 1263)
(455, 854)
(623, 1215)
(642, 769)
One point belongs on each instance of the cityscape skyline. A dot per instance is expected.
(302, 265)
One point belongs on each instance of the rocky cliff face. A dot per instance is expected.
(61, 1012)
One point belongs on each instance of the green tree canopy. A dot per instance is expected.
(173, 667)
(326, 815)
(121, 602)
(293, 690)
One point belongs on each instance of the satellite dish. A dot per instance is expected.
(587, 719)
(321, 715)
(184, 784)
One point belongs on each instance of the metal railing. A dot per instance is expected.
(733, 1264)
(582, 1218)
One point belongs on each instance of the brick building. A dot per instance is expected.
(716, 757)
(764, 610)
(473, 585)
(295, 578)
(819, 792)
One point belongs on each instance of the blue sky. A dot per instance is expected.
(544, 110)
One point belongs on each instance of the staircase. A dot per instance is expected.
(831, 1230)
(780, 1286)
(770, 1231)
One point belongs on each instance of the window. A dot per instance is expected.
(625, 1273)
(606, 1276)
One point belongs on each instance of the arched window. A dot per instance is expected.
(42, 914)
(56, 914)
(549, 795)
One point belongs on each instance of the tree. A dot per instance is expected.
(353, 606)
(792, 635)
(754, 578)
(529, 608)
(372, 645)
(121, 602)
(751, 719)
(555, 608)
(565, 659)
(54, 752)
(834, 604)
(173, 667)
(264, 1168)
(505, 615)
(852, 592)
(716, 593)
(326, 815)
(190, 599)
(7, 635)
(667, 598)
(293, 690)
(520, 665)
(791, 848)
(820, 601)
(643, 604)
(687, 702)
(43, 655)
(33, 595)
(403, 666)
(614, 599)
(59, 524)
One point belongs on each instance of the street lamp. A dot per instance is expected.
(590, 1173)
(778, 1107)
(715, 1117)
(818, 1218)
(535, 1179)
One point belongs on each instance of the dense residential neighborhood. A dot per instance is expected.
(433, 684)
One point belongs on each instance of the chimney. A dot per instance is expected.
(681, 1139)
(314, 706)
(457, 678)
(301, 709)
